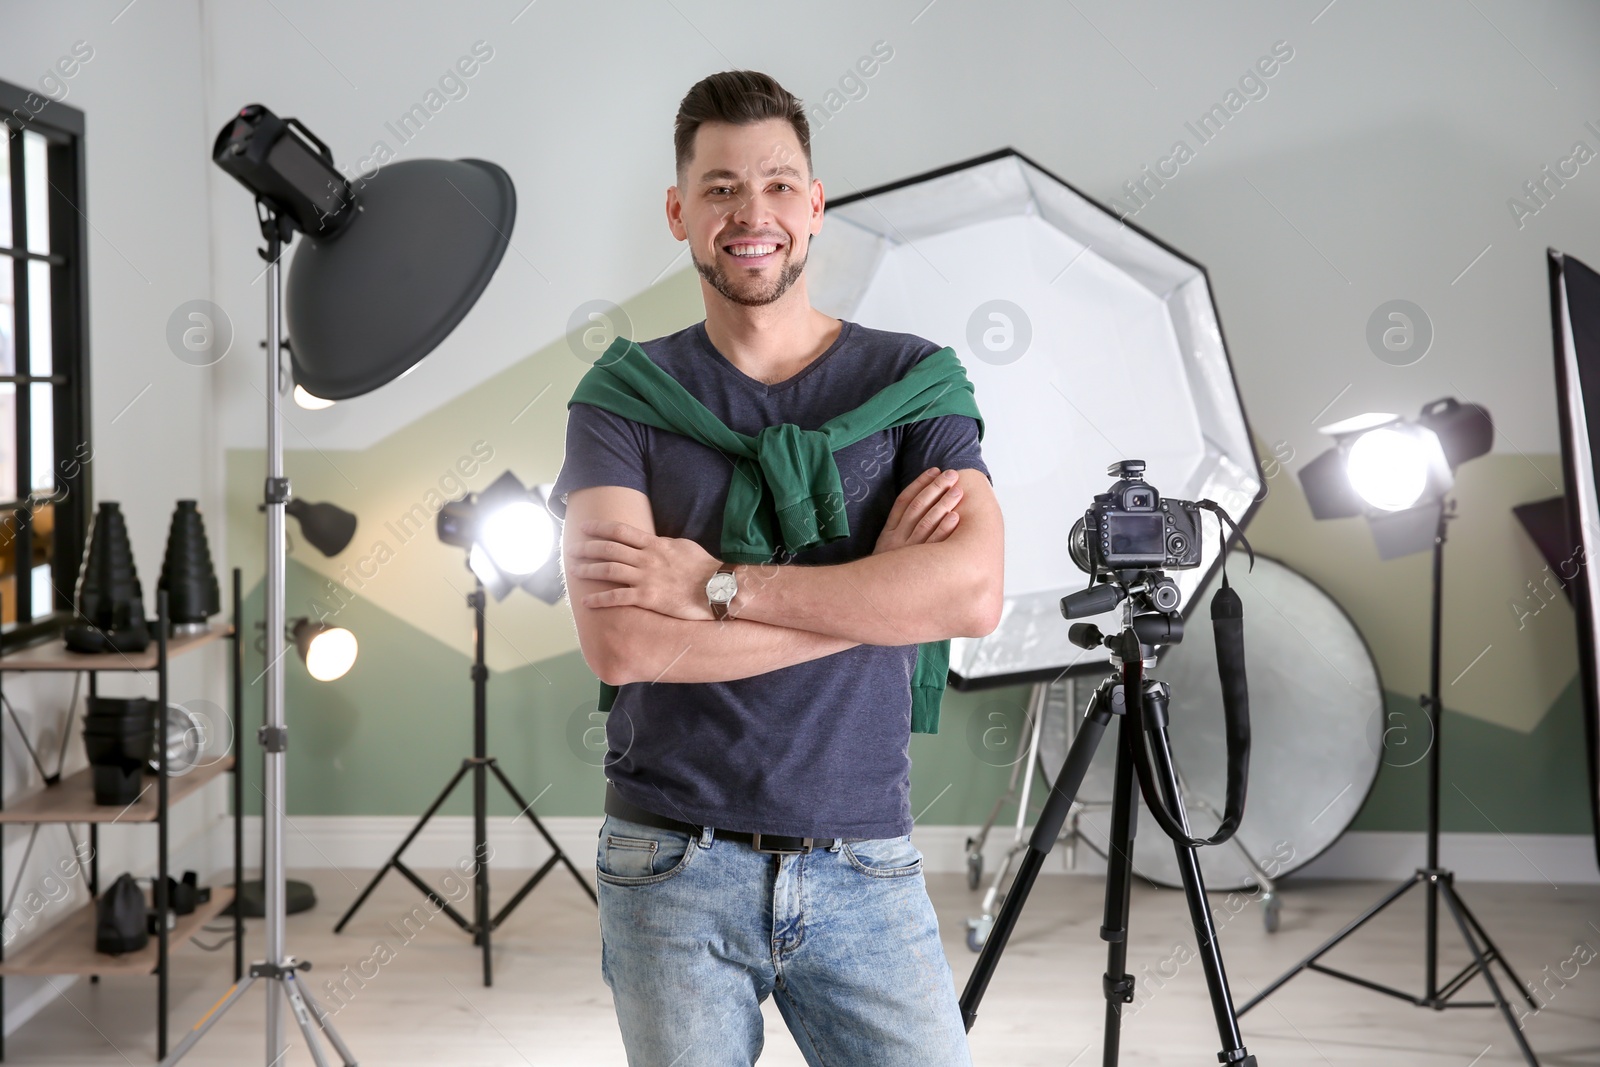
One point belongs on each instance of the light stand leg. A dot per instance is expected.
(1310, 962)
(280, 982)
(558, 854)
(209, 1019)
(325, 1021)
(395, 863)
(291, 993)
(1447, 890)
(1494, 955)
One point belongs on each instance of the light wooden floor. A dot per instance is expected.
(427, 1005)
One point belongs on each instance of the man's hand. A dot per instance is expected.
(668, 575)
(664, 574)
(923, 513)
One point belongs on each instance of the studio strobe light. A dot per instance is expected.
(510, 538)
(1397, 473)
(390, 265)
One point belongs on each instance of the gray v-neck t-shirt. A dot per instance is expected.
(817, 749)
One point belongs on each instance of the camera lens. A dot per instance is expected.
(1078, 548)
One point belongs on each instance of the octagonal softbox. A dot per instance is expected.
(1086, 340)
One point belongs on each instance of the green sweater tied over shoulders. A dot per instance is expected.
(786, 495)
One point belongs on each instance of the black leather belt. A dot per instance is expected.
(774, 844)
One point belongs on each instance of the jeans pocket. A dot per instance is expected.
(631, 854)
(884, 857)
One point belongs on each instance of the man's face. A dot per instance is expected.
(746, 190)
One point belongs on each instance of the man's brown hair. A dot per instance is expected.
(738, 97)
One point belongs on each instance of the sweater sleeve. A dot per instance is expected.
(602, 449)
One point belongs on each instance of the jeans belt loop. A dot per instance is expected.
(706, 836)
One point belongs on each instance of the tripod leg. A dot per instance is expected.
(1349, 928)
(1447, 892)
(1118, 983)
(1045, 832)
(325, 1022)
(1155, 722)
(209, 1019)
(561, 855)
(291, 993)
(1494, 950)
(395, 857)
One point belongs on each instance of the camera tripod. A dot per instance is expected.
(1132, 652)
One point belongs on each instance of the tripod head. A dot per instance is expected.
(1150, 612)
(1149, 587)
(1138, 637)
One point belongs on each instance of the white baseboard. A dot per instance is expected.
(367, 841)
(1556, 859)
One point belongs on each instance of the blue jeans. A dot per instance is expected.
(697, 932)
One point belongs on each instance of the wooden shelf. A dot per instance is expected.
(72, 799)
(68, 946)
(53, 655)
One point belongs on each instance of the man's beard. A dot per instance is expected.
(718, 277)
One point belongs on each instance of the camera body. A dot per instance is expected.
(1133, 527)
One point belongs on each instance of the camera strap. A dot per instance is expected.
(1227, 624)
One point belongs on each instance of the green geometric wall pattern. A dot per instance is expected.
(385, 739)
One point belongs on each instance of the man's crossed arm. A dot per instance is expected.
(639, 599)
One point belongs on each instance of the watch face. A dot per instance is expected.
(721, 587)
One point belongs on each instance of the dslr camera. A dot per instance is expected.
(1133, 527)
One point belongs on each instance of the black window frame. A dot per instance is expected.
(62, 127)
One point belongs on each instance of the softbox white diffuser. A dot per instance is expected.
(1087, 341)
(1575, 323)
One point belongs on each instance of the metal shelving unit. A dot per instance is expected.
(68, 946)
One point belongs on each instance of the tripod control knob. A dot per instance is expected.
(1085, 635)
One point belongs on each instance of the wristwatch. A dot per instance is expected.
(721, 590)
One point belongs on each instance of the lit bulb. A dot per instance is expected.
(481, 565)
(518, 538)
(309, 402)
(1388, 468)
(331, 653)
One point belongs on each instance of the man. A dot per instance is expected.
(757, 840)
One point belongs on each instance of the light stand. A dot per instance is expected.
(1439, 881)
(480, 764)
(386, 272)
(280, 969)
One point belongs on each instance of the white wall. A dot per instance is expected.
(1377, 166)
(153, 416)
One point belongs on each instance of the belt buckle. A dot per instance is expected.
(807, 845)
